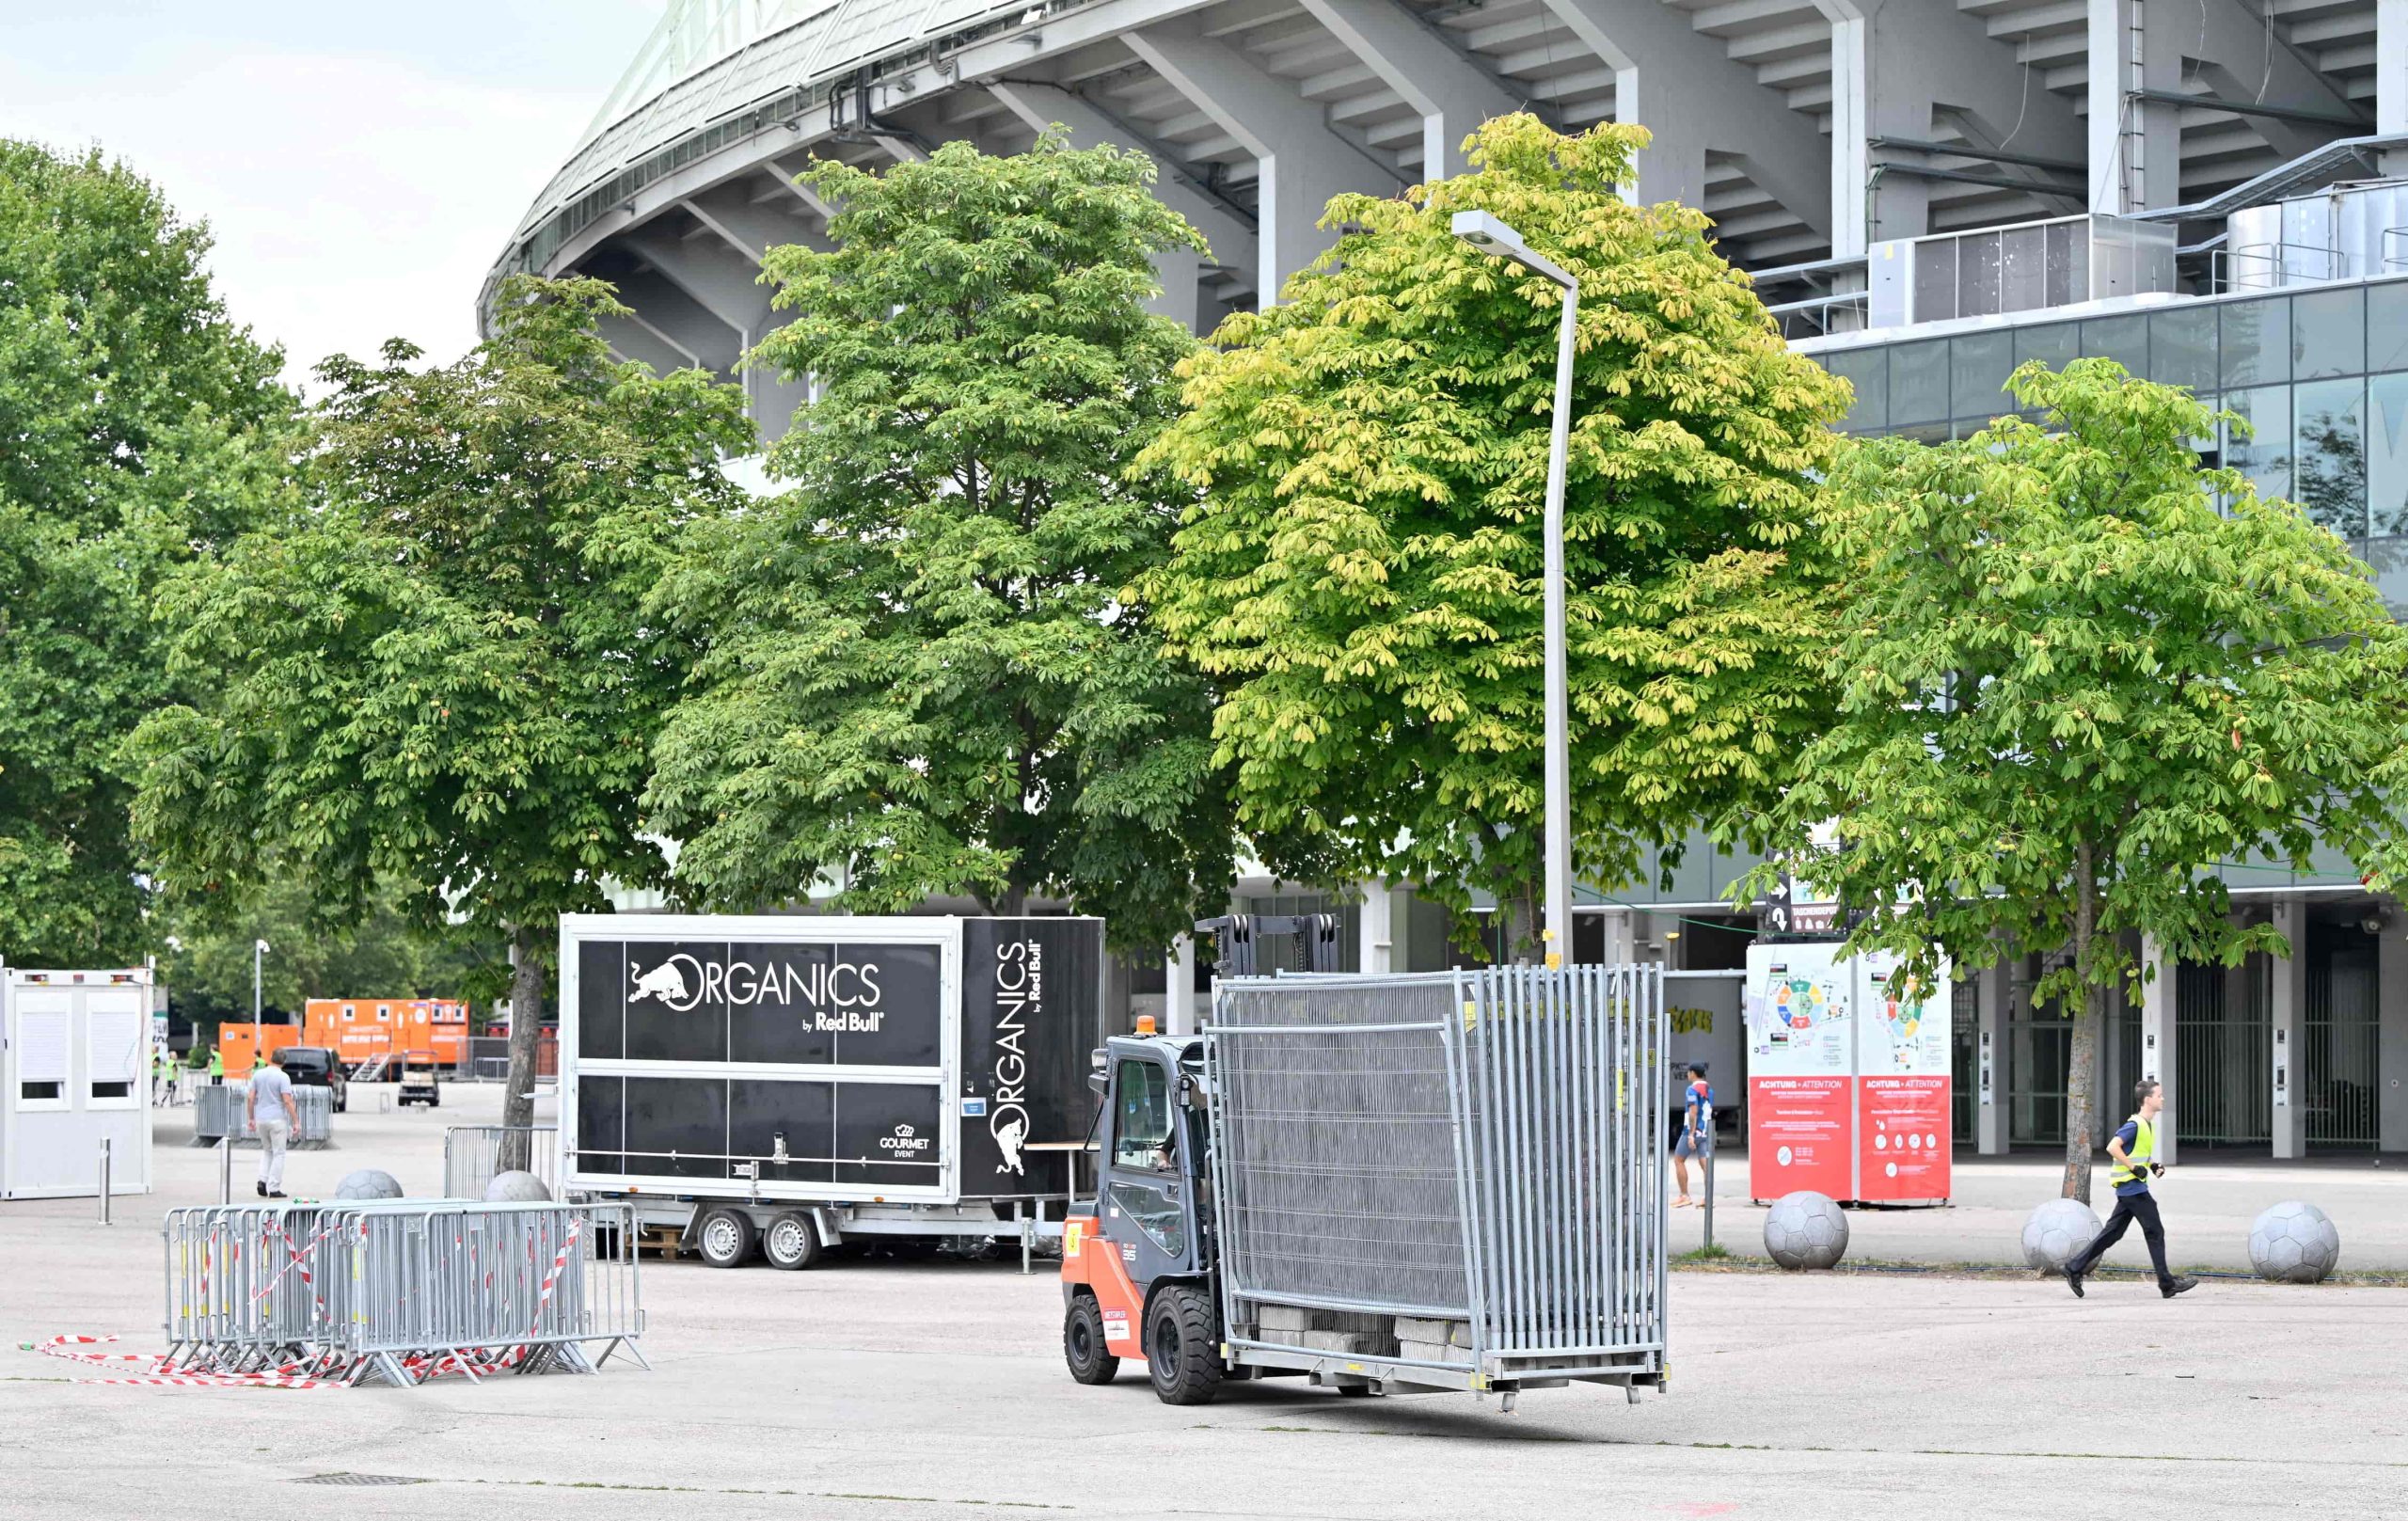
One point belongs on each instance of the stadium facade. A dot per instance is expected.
(1927, 192)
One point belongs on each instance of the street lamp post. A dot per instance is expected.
(259, 950)
(1490, 236)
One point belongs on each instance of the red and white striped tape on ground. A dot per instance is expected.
(161, 1371)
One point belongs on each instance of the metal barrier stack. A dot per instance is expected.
(1459, 1172)
(473, 1157)
(400, 1290)
(219, 1110)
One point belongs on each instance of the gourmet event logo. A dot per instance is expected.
(1019, 990)
(905, 1140)
(838, 996)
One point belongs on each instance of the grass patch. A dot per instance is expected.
(1716, 1252)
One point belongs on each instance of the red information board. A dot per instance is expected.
(1902, 1146)
(1799, 1135)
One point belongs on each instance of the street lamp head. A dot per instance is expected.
(263, 947)
(1482, 229)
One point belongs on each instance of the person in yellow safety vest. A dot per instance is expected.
(2134, 1148)
(216, 1065)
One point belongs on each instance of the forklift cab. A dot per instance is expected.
(1136, 1270)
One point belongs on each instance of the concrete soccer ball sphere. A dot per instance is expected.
(1805, 1229)
(368, 1183)
(516, 1188)
(2055, 1234)
(2294, 1243)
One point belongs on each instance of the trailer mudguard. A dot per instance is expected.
(1091, 1257)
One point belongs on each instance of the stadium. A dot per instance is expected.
(1927, 192)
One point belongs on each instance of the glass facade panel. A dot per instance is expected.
(2182, 348)
(1868, 370)
(2329, 334)
(2387, 458)
(1977, 275)
(2387, 326)
(1919, 382)
(2256, 342)
(1936, 279)
(2052, 345)
(2329, 454)
(2124, 340)
(2068, 262)
(2263, 451)
(2024, 277)
(2389, 557)
(1980, 364)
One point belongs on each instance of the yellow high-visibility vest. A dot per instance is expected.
(2141, 1152)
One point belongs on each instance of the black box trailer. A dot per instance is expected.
(793, 1080)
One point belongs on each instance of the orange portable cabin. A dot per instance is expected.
(242, 1045)
(362, 1028)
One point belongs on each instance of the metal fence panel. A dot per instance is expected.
(473, 1157)
(220, 1109)
(1474, 1147)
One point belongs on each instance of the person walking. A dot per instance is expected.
(2134, 1150)
(1696, 1135)
(274, 1116)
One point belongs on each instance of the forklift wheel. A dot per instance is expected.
(1083, 1343)
(1181, 1356)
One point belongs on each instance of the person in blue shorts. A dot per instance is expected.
(1697, 1133)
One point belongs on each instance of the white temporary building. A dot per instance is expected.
(74, 1072)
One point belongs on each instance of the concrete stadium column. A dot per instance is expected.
(1301, 162)
(1622, 936)
(1684, 87)
(2158, 1025)
(1898, 67)
(2287, 1023)
(750, 228)
(1990, 1059)
(1377, 951)
(2391, 1033)
(1178, 987)
(2135, 146)
(1453, 94)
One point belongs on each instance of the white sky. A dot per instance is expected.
(359, 164)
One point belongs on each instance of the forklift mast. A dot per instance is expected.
(1236, 953)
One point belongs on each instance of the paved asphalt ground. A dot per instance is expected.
(889, 1389)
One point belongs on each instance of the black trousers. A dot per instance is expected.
(2140, 1207)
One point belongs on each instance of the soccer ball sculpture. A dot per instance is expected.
(1805, 1229)
(516, 1188)
(368, 1183)
(2055, 1234)
(2294, 1243)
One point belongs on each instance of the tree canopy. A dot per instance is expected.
(1362, 573)
(2072, 684)
(139, 429)
(919, 672)
(433, 675)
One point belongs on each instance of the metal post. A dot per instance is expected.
(226, 1169)
(1709, 1200)
(104, 1181)
(1490, 235)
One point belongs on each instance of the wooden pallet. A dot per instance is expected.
(659, 1239)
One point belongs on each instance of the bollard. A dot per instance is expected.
(225, 1170)
(104, 1180)
(1709, 1200)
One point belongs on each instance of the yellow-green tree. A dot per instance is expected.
(1362, 572)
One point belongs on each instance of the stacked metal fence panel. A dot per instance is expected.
(1477, 1148)
(472, 1155)
(221, 1109)
(401, 1290)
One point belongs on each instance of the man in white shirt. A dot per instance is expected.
(273, 1117)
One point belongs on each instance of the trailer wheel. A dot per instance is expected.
(1181, 1356)
(726, 1238)
(1083, 1345)
(792, 1241)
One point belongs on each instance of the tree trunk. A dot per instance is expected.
(1521, 917)
(526, 1024)
(2082, 1061)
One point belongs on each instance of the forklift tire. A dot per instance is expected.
(726, 1238)
(1181, 1357)
(792, 1241)
(1083, 1345)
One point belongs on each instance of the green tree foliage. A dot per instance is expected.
(138, 429)
(920, 676)
(2070, 686)
(436, 677)
(1363, 574)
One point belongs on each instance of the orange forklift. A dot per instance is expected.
(1140, 1267)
